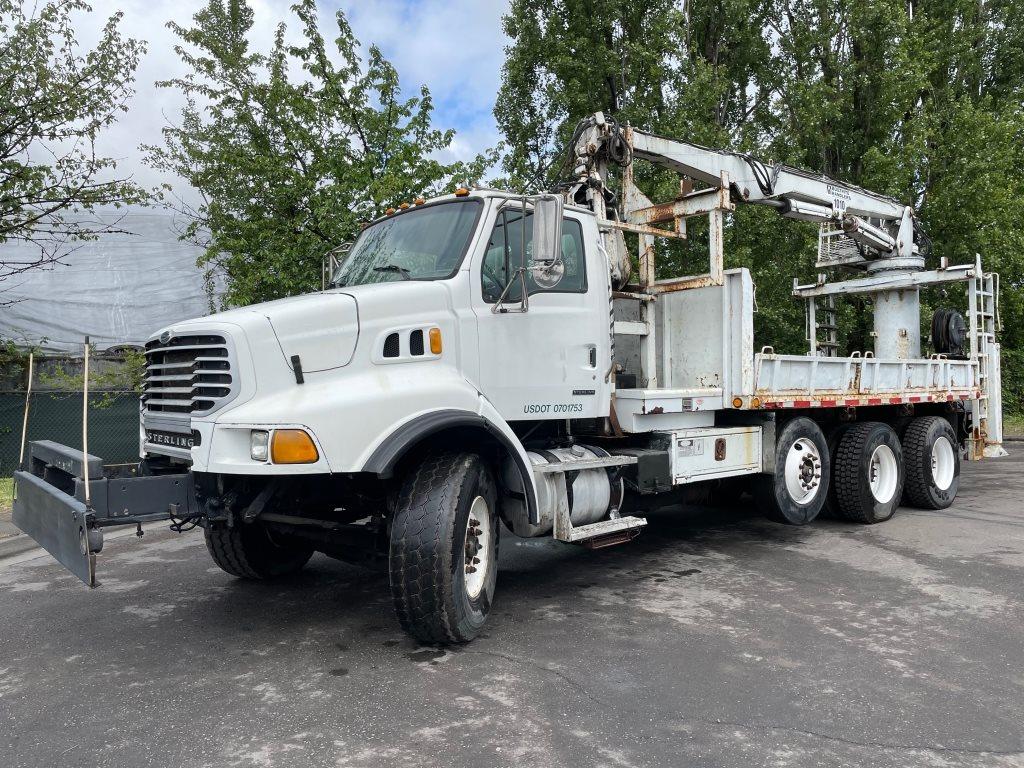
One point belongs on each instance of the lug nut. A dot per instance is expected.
(476, 560)
(470, 569)
(473, 523)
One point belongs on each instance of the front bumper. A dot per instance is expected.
(50, 503)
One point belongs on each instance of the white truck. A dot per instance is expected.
(485, 359)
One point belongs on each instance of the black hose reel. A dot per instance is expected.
(949, 333)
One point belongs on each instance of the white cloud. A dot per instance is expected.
(454, 47)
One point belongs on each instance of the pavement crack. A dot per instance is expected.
(858, 743)
(550, 670)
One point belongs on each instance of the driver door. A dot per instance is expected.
(548, 362)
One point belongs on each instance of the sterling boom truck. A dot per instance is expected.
(485, 359)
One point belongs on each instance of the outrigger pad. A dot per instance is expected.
(58, 523)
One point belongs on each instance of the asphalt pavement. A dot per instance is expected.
(715, 639)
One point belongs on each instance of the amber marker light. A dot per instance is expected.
(461, 192)
(404, 206)
(292, 446)
(418, 201)
(737, 402)
(435, 341)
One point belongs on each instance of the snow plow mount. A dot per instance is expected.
(50, 502)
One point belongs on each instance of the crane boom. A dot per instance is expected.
(758, 182)
(881, 225)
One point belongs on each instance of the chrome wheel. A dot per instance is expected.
(478, 546)
(803, 471)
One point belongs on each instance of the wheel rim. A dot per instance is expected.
(478, 547)
(883, 474)
(803, 471)
(943, 464)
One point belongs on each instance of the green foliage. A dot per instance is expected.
(107, 382)
(922, 101)
(54, 102)
(293, 149)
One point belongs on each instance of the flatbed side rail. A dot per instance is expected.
(804, 380)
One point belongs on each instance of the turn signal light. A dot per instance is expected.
(292, 446)
(435, 341)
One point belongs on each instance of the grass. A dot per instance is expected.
(1013, 426)
(6, 497)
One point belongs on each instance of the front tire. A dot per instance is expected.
(932, 463)
(795, 492)
(444, 548)
(869, 472)
(250, 551)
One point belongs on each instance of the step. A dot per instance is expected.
(577, 465)
(631, 328)
(603, 533)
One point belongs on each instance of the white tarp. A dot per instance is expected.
(117, 290)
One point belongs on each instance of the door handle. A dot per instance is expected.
(593, 356)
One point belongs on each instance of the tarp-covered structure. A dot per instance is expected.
(117, 289)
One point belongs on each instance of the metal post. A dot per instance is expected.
(85, 425)
(28, 400)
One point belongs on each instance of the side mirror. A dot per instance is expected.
(546, 263)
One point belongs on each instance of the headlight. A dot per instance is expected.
(259, 445)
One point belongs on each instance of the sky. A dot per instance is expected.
(454, 47)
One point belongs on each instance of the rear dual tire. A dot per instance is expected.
(932, 463)
(868, 477)
(795, 492)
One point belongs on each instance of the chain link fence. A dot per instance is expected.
(57, 416)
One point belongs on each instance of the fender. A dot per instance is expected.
(386, 455)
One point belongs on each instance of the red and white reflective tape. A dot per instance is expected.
(856, 402)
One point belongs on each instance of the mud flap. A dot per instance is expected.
(49, 504)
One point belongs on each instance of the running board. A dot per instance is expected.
(603, 533)
(577, 465)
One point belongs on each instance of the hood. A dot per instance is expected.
(323, 328)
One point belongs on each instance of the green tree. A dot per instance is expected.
(291, 150)
(922, 101)
(55, 101)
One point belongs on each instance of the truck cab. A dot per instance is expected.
(420, 317)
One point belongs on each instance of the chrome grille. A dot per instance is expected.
(188, 375)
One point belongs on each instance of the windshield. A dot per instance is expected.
(422, 244)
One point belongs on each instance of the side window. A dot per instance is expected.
(505, 254)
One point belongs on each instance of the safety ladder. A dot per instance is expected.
(822, 326)
(987, 410)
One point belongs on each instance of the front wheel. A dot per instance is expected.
(443, 558)
(250, 551)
